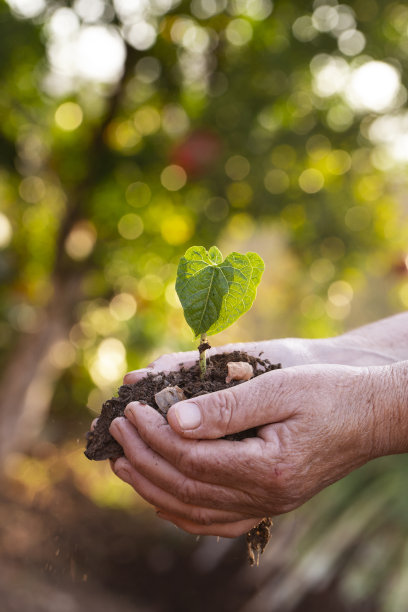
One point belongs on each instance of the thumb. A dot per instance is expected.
(251, 404)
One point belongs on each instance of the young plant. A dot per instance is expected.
(214, 292)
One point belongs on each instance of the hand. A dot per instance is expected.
(287, 351)
(316, 424)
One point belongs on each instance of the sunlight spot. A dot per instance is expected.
(351, 42)
(340, 117)
(130, 226)
(330, 74)
(340, 293)
(338, 313)
(150, 287)
(81, 240)
(68, 116)
(123, 306)
(392, 132)
(237, 167)
(338, 162)
(325, 18)
(196, 39)
(373, 87)
(276, 181)
(27, 8)
(203, 9)
(63, 23)
(303, 29)
(175, 120)
(238, 32)
(128, 10)
(176, 229)
(311, 180)
(173, 177)
(109, 364)
(141, 35)
(147, 120)
(100, 53)
(240, 227)
(89, 10)
(32, 189)
(6, 231)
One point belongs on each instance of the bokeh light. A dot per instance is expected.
(130, 226)
(132, 130)
(68, 116)
(81, 240)
(173, 177)
(6, 231)
(373, 86)
(109, 363)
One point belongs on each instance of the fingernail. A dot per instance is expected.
(188, 415)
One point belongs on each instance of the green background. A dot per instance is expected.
(239, 123)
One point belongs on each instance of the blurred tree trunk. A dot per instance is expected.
(28, 381)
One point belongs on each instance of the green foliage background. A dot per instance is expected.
(214, 134)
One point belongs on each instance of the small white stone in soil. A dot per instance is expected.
(239, 370)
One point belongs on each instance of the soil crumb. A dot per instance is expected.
(101, 445)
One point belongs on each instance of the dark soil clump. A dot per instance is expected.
(101, 445)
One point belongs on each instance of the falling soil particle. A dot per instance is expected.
(101, 445)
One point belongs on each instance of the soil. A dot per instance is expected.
(101, 445)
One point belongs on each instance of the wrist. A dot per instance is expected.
(388, 400)
(348, 349)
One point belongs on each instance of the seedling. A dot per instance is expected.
(214, 292)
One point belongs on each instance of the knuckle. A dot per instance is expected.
(201, 516)
(224, 405)
(131, 455)
(189, 462)
(187, 491)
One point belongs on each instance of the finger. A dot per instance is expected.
(132, 377)
(93, 424)
(169, 479)
(165, 363)
(170, 504)
(229, 530)
(220, 462)
(260, 401)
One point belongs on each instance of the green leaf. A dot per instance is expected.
(215, 293)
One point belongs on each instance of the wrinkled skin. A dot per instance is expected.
(316, 423)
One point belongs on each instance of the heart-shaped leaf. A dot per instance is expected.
(215, 293)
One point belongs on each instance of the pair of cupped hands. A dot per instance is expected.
(317, 419)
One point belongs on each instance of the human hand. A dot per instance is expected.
(287, 351)
(316, 424)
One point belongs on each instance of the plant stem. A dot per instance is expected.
(202, 351)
